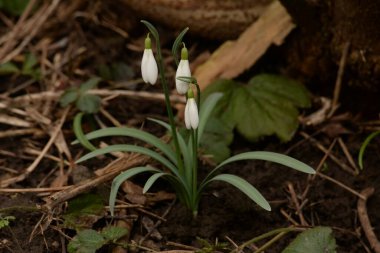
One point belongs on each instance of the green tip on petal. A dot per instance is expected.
(148, 42)
(184, 53)
(190, 93)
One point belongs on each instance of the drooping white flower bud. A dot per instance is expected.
(191, 111)
(149, 69)
(183, 70)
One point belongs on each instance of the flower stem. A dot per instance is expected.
(168, 106)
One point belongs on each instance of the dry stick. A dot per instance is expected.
(270, 242)
(340, 184)
(297, 204)
(35, 163)
(18, 132)
(288, 217)
(335, 159)
(364, 219)
(348, 155)
(113, 169)
(338, 83)
(135, 94)
(30, 35)
(312, 178)
(38, 190)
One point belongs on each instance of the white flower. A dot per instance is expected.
(191, 114)
(182, 70)
(149, 70)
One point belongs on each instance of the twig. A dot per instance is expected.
(335, 159)
(271, 241)
(297, 204)
(348, 155)
(112, 169)
(338, 83)
(340, 184)
(364, 219)
(31, 190)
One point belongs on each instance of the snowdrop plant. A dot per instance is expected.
(178, 160)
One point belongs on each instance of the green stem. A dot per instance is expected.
(268, 234)
(168, 106)
(195, 170)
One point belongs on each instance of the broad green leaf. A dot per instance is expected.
(88, 103)
(216, 140)
(315, 240)
(244, 187)
(364, 146)
(177, 43)
(267, 105)
(83, 211)
(112, 234)
(117, 181)
(206, 108)
(130, 148)
(8, 68)
(134, 133)
(82, 139)
(69, 96)
(153, 178)
(86, 241)
(14, 7)
(89, 84)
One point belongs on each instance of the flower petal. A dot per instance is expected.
(187, 116)
(152, 70)
(193, 113)
(182, 70)
(143, 66)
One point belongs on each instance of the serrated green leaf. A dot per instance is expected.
(112, 233)
(83, 211)
(88, 103)
(69, 96)
(86, 241)
(216, 140)
(266, 106)
(89, 84)
(315, 240)
(244, 187)
(8, 68)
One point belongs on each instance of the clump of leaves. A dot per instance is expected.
(267, 105)
(29, 67)
(85, 102)
(89, 240)
(4, 221)
(315, 240)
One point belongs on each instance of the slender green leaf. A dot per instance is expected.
(364, 146)
(266, 156)
(152, 180)
(134, 133)
(117, 181)
(187, 79)
(182, 145)
(29, 62)
(82, 139)
(130, 148)
(152, 29)
(315, 240)
(244, 187)
(177, 43)
(89, 84)
(205, 112)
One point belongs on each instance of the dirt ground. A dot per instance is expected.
(225, 215)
